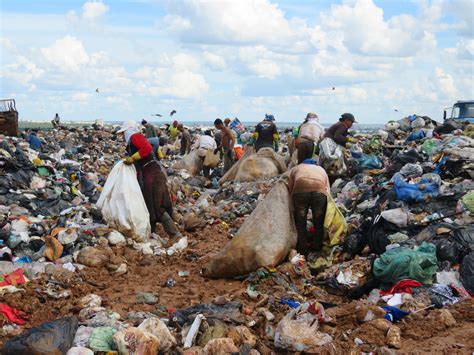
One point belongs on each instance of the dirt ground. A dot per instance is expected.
(420, 333)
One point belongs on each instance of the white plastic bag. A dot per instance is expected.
(122, 203)
(331, 157)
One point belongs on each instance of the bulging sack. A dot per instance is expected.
(211, 160)
(264, 239)
(190, 162)
(122, 203)
(262, 165)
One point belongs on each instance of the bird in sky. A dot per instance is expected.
(333, 88)
(396, 110)
(156, 114)
(97, 90)
(172, 112)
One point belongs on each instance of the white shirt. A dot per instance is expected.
(311, 130)
(207, 142)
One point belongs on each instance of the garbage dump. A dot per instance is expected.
(84, 268)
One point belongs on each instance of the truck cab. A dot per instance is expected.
(461, 111)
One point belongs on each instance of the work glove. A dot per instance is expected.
(351, 140)
(128, 160)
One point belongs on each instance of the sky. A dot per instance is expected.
(128, 59)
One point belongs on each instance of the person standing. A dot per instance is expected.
(266, 133)
(185, 140)
(151, 178)
(308, 185)
(226, 144)
(173, 131)
(309, 134)
(150, 131)
(338, 131)
(204, 144)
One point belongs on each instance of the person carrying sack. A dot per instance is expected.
(151, 178)
(206, 145)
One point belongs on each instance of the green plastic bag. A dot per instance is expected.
(404, 263)
(468, 201)
(430, 146)
(102, 339)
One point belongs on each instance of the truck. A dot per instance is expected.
(461, 111)
(8, 118)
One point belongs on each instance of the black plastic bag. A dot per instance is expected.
(53, 337)
(467, 273)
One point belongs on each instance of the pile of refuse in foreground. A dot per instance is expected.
(398, 274)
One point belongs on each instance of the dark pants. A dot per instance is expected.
(302, 203)
(305, 149)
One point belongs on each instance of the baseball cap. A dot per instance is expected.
(348, 116)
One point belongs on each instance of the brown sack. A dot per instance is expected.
(264, 239)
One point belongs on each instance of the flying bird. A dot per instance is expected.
(333, 88)
(172, 112)
(97, 90)
(395, 110)
(156, 114)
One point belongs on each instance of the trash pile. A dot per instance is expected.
(396, 267)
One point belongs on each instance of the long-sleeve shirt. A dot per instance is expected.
(338, 133)
(141, 144)
(311, 130)
(308, 178)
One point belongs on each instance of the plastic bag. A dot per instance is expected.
(398, 216)
(426, 188)
(53, 337)
(211, 160)
(300, 333)
(403, 263)
(122, 204)
(335, 226)
(411, 170)
(331, 157)
(190, 162)
(264, 239)
(467, 273)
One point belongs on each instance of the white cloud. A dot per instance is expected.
(23, 71)
(92, 10)
(365, 30)
(446, 83)
(81, 96)
(214, 61)
(241, 22)
(67, 53)
(266, 68)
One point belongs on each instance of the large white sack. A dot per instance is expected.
(264, 239)
(122, 203)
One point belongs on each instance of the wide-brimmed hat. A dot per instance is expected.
(348, 116)
(126, 125)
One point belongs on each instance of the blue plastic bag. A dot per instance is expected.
(365, 161)
(426, 188)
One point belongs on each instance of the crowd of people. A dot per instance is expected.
(308, 183)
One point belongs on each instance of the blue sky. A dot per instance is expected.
(243, 58)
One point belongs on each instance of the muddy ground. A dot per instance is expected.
(421, 333)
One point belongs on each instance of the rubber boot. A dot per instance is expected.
(169, 226)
